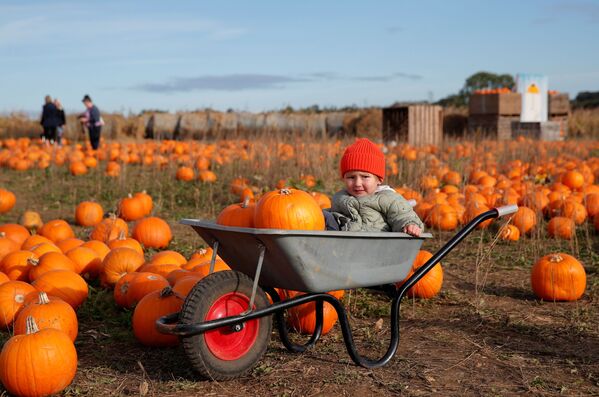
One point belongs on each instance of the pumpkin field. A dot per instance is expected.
(92, 253)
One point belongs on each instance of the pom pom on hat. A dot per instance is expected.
(363, 155)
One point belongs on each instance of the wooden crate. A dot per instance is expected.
(491, 125)
(545, 130)
(562, 119)
(559, 104)
(503, 104)
(415, 124)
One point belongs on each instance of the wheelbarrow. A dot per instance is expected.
(226, 320)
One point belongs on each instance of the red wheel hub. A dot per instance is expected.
(225, 343)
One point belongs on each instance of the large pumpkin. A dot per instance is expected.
(48, 312)
(39, 363)
(559, 277)
(288, 209)
(429, 285)
(152, 232)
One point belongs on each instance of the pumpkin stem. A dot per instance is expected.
(2, 234)
(555, 258)
(122, 235)
(167, 291)
(33, 261)
(43, 298)
(31, 326)
(246, 202)
(130, 195)
(285, 191)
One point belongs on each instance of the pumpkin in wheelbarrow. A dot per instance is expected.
(429, 285)
(288, 209)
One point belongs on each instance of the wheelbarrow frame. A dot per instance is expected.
(169, 324)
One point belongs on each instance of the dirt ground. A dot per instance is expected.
(484, 335)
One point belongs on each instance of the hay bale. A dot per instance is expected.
(162, 126)
(334, 123)
(196, 125)
(250, 123)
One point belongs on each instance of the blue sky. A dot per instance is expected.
(263, 55)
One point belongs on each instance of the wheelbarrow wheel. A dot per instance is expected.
(227, 352)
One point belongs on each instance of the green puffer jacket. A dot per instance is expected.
(385, 210)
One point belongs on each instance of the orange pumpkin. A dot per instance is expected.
(48, 312)
(118, 262)
(15, 232)
(561, 227)
(88, 213)
(302, 318)
(429, 285)
(38, 363)
(143, 284)
(152, 232)
(525, 219)
(288, 209)
(64, 284)
(148, 310)
(56, 230)
(240, 215)
(442, 217)
(87, 261)
(48, 262)
(13, 295)
(509, 232)
(109, 229)
(16, 265)
(7, 200)
(131, 208)
(558, 277)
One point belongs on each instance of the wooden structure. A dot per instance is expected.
(493, 114)
(415, 124)
(545, 131)
(559, 111)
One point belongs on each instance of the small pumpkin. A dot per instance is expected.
(240, 215)
(302, 318)
(88, 213)
(56, 230)
(109, 229)
(31, 220)
(131, 208)
(429, 285)
(15, 232)
(16, 265)
(148, 310)
(118, 262)
(561, 227)
(7, 200)
(13, 295)
(48, 262)
(509, 232)
(525, 219)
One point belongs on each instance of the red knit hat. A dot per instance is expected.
(363, 155)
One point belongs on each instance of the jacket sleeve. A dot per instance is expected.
(398, 212)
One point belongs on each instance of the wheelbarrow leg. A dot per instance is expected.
(284, 332)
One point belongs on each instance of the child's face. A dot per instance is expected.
(361, 183)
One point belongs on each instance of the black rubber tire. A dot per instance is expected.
(194, 310)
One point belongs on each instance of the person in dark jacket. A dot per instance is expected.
(93, 121)
(62, 121)
(50, 120)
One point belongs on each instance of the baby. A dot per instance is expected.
(366, 204)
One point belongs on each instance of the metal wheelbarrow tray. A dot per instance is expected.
(226, 320)
(314, 261)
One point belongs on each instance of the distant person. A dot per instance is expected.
(93, 121)
(62, 121)
(50, 121)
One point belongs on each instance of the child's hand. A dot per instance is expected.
(413, 230)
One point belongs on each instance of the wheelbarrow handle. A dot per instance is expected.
(506, 210)
(455, 240)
